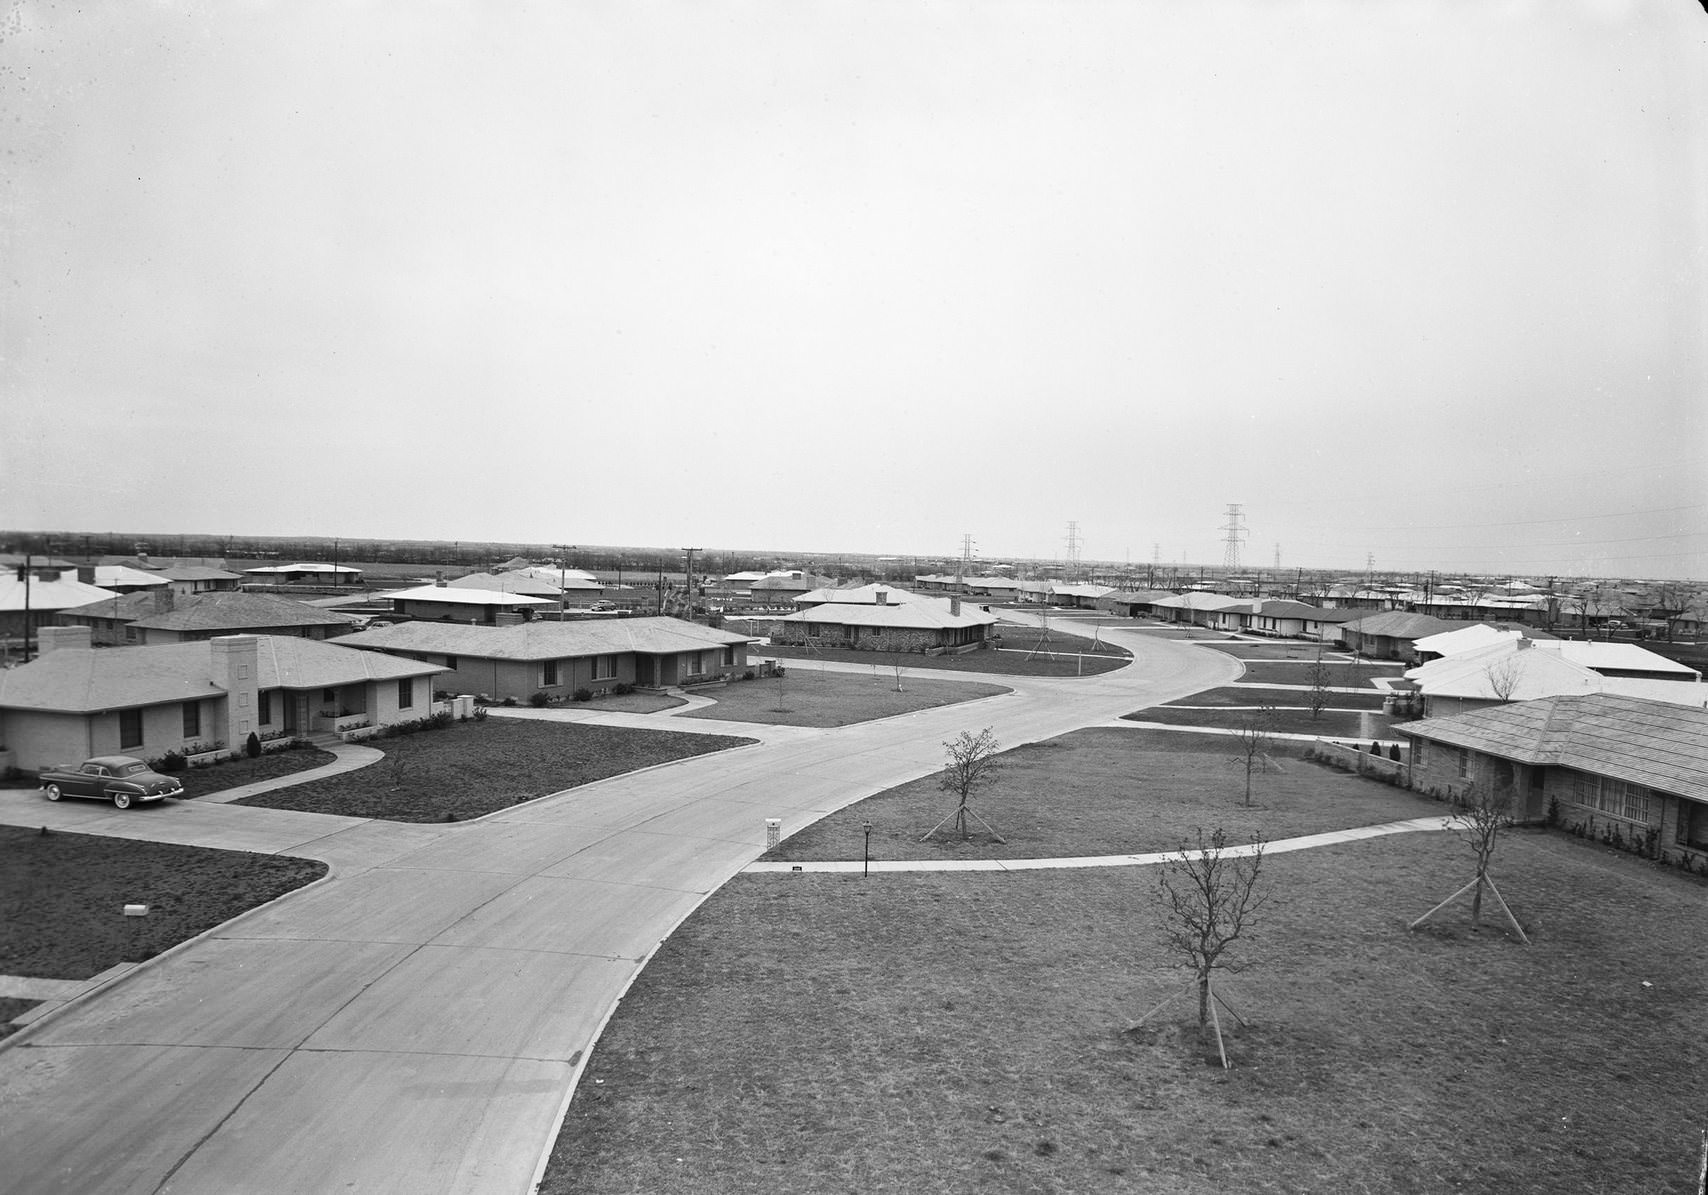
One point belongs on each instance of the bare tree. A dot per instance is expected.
(900, 671)
(971, 763)
(1503, 676)
(1255, 735)
(782, 682)
(1320, 677)
(1485, 810)
(1210, 896)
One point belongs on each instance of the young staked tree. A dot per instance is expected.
(1484, 811)
(970, 763)
(1254, 734)
(1320, 678)
(1210, 895)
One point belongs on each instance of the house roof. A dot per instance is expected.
(91, 679)
(915, 615)
(860, 595)
(1620, 657)
(1653, 743)
(505, 583)
(547, 640)
(196, 572)
(1476, 635)
(236, 611)
(1140, 597)
(117, 576)
(1397, 624)
(63, 593)
(568, 578)
(465, 597)
(287, 570)
(124, 607)
(1197, 601)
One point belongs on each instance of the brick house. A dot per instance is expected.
(1601, 763)
(881, 618)
(557, 658)
(161, 616)
(76, 700)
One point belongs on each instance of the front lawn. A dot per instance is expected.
(473, 768)
(1347, 675)
(63, 895)
(1248, 695)
(233, 773)
(1108, 791)
(809, 697)
(950, 1032)
(1069, 655)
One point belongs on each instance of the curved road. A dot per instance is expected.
(416, 1022)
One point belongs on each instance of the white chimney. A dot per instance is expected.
(235, 667)
(883, 597)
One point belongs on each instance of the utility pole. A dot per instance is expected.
(563, 551)
(689, 579)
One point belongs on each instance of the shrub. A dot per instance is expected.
(1553, 816)
(172, 762)
(622, 688)
(441, 719)
(1394, 752)
(252, 745)
(480, 714)
(508, 701)
(540, 699)
(582, 694)
(748, 675)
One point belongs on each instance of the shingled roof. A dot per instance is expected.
(539, 640)
(1653, 743)
(236, 611)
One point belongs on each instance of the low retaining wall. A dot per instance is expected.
(1362, 762)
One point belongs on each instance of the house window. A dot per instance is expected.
(1464, 764)
(130, 728)
(1417, 757)
(406, 692)
(691, 663)
(548, 673)
(192, 719)
(604, 667)
(130, 634)
(264, 709)
(450, 661)
(729, 657)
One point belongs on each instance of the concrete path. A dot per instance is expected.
(348, 757)
(1281, 846)
(417, 1021)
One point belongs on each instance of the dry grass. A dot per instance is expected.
(1332, 724)
(474, 768)
(62, 897)
(808, 697)
(1275, 672)
(954, 1032)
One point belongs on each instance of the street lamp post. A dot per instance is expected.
(866, 865)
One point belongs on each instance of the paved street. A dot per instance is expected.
(416, 1022)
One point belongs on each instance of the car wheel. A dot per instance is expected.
(122, 800)
(52, 792)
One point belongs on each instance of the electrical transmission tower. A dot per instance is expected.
(966, 559)
(1236, 533)
(1073, 543)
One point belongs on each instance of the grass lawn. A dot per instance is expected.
(199, 782)
(949, 1032)
(1258, 695)
(1331, 724)
(1282, 649)
(1277, 672)
(63, 896)
(1107, 791)
(1010, 661)
(474, 768)
(811, 698)
(630, 703)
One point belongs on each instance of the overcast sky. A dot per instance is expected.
(1417, 281)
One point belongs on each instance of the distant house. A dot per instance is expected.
(162, 617)
(1523, 669)
(557, 658)
(1392, 634)
(1199, 609)
(520, 583)
(121, 578)
(1482, 634)
(866, 619)
(481, 607)
(43, 599)
(76, 700)
(1138, 603)
(311, 573)
(189, 579)
(1599, 762)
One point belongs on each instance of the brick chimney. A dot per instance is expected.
(235, 667)
(52, 638)
(883, 597)
(163, 599)
(955, 606)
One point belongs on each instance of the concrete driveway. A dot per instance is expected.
(416, 1022)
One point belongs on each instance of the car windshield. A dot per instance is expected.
(130, 769)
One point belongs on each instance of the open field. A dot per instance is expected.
(951, 1032)
(805, 697)
(1258, 695)
(1109, 791)
(473, 768)
(63, 897)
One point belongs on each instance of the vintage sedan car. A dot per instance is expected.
(120, 779)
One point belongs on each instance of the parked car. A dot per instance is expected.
(120, 779)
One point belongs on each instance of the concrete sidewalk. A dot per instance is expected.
(1303, 843)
